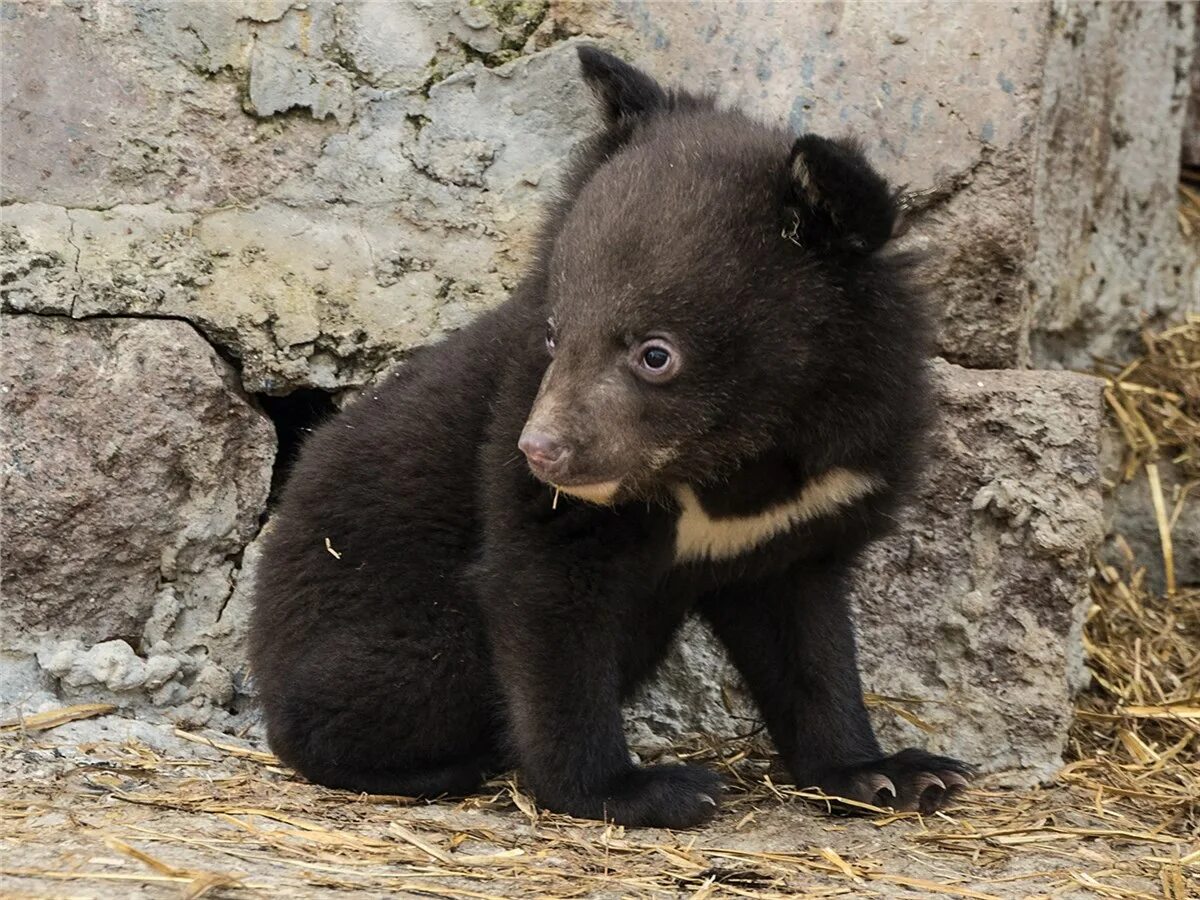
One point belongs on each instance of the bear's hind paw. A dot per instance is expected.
(911, 780)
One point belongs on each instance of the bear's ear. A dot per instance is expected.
(624, 92)
(837, 198)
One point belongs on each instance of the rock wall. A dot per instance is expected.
(212, 204)
(135, 473)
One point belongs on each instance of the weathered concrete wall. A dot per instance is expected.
(317, 187)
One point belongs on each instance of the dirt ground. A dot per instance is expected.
(113, 807)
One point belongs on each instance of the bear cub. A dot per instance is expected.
(705, 398)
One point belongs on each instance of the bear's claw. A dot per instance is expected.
(874, 788)
(911, 780)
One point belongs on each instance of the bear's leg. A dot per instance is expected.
(792, 639)
(558, 665)
(402, 706)
(453, 780)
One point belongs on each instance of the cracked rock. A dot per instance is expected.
(1040, 143)
(133, 466)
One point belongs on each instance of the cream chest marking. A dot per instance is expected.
(698, 536)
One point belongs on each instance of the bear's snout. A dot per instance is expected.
(547, 455)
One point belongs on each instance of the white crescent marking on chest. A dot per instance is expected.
(698, 536)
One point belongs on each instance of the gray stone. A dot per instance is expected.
(24, 685)
(37, 260)
(113, 664)
(246, 278)
(206, 36)
(71, 109)
(281, 79)
(226, 638)
(697, 691)
(467, 213)
(142, 103)
(135, 473)
(1108, 253)
(1040, 140)
(970, 614)
(975, 607)
(394, 44)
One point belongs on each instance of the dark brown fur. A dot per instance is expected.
(468, 624)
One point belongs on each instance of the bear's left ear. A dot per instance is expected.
(837, 198)
(625, 93)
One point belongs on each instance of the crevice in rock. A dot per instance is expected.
(71, 240)
(295, 415)
(224, 352)
(237, 558)
(919, 204)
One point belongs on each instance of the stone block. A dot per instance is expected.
(142, 102)
(970, 614)
(378, 249)
(282, 78)
(394, 44)
(135, 472)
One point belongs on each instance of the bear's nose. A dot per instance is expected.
(543, 451)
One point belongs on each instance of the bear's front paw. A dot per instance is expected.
(910, 780)
(665, 796)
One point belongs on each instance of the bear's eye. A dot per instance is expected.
(550, 336)
(656, 360)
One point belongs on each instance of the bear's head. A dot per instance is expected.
(713, 291)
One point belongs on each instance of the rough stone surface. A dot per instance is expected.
(1105, 201)
(970, 614)
(135, 472)
(977, 603)
(372, 170)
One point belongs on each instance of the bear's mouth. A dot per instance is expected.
(598, 492)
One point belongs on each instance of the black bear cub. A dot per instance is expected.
(706, 397)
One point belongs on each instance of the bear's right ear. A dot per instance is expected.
(625, 93)
(837, 198)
